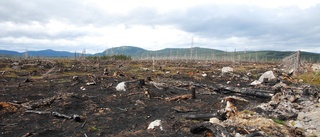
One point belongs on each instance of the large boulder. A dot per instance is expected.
(309, 120)
(265, 76)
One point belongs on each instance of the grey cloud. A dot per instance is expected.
(69, 35)
(42, 11)
(265, 28)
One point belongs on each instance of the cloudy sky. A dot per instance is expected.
(95, 25)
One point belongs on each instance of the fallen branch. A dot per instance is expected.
(180, 97)
(38, 112)
(183, 111)
(11, 124)
(123, 109)
(83, 124)
(198, 116)
(56, 114)
(135, 93)
(38, 103)
(59, 115)
(245, 91)
(159, 86)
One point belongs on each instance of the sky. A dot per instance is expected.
(96, 25)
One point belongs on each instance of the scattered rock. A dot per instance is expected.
(267, 76)
(309, 121)
(226, 70)
(214, 120)
(121, 86)
(156, 123)
(82, 88)
(91, 83)
(75, 78)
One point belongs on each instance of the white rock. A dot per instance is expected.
(91, 83)
(214, 120)
(121, 86)
(204, 75)
(256, 82)
(82, 88)
(156, 123)
(298, 124)
(226, 69)
(269, 75)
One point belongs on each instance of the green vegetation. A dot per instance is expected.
(93, 128)
(279, 121)
(311, 78)
(248, 112)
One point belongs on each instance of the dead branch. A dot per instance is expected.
(59, 115)
(159, 86)
(245, 91)
(38, 112)
(199, 116)
(10, 124)
(41, 102)
(135, 93)
(83, 124)
(179, 97)
(182, 110)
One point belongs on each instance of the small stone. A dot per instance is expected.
(214, 120)
(121, 86)
(156, 123)
(298, 124)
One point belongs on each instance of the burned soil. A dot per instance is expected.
(82, 98)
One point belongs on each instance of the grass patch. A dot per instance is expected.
(279, 121)
(248, 112)
(93, 128)
(311, 78)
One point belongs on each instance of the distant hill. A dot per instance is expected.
(126, 50)
(175, 53)
(50, 53)
(9, 53)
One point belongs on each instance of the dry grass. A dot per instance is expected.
(311, 78)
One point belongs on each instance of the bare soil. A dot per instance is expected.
(50, 86)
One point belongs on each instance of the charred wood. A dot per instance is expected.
(59, 115)
(38, 112)
(179, 97)
(210, 129)
(199, 116)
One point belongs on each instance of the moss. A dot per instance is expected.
(93, 128)
(279, 121)
(293, 123)
(248, 112)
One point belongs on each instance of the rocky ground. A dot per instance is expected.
(161, 98)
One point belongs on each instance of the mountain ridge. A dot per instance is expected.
(181, 53)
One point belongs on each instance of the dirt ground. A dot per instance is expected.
(33, 91)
